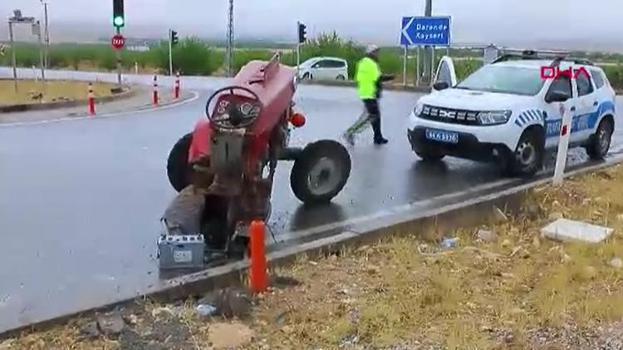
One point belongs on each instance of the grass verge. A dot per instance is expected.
(34, 92)
(502, 287)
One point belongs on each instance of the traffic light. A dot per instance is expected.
(302, 33)
(174, 38)
(118, 19)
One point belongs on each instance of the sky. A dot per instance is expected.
(368, 21)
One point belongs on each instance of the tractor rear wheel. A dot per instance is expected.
(178, 169)
(320, 172)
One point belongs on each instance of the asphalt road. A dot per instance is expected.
(80, 200)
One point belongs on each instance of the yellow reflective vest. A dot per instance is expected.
(367, 77)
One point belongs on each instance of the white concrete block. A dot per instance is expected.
(569, 230)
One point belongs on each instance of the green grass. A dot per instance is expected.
(32, 92)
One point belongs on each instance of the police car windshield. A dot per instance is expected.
(504, 79)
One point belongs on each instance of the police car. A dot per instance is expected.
(509, 113)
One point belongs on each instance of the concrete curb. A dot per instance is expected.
(468, 213)
(192, 96)
(131, 92)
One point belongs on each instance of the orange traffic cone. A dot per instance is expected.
(259, 273)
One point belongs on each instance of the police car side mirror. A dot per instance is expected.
(557, 96)
(441, 85)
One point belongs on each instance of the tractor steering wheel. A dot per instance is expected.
(234, 117)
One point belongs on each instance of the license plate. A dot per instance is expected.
(442, 136)
(182, 256)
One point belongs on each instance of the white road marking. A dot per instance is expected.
(291, 235)
(393, 210)
(104, 115)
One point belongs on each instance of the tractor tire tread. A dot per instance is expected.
(303, 164)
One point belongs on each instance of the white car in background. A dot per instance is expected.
(324, 68)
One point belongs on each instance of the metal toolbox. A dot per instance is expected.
(181, 251)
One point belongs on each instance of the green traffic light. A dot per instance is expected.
(118, 21)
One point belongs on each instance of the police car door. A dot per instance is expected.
(554, 110)
(587, 105)
(445, 73)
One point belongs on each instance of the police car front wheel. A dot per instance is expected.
(528, 156)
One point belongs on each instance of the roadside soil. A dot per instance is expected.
(34, 92)
(139, 100)
(502, 287)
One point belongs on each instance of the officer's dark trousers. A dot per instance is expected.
(372, 115)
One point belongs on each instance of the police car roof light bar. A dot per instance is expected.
(532, 52)
(508, 57)
(583, 61)
(575, 60)
(558, 56)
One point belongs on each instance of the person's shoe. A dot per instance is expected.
(381, 141)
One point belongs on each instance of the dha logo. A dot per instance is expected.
(555, 73)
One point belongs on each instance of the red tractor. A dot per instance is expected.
(224, 170)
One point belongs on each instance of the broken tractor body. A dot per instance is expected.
(224, 169)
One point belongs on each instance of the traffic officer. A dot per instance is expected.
(369, 83)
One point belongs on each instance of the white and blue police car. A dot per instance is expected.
(508, 113)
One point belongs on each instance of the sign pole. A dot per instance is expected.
(47, 35)
(298, 60)
(41, 51)
(563, 146)
(37, 26)
(119, 61)
(13, 58)
(230, 40)
(298, 51)
(404, 67)
(170, 53)
(432, 65)
(417, 67)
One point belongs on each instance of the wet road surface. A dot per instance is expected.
(80, 200)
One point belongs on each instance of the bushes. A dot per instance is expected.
(72, 55)
(392, 64)
(27, 55)
(464, 68)
(242, 57)
(194, 57)
(333, 45)
(615, 75)
(191, 57)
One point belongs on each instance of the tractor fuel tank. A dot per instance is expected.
(273, 84)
